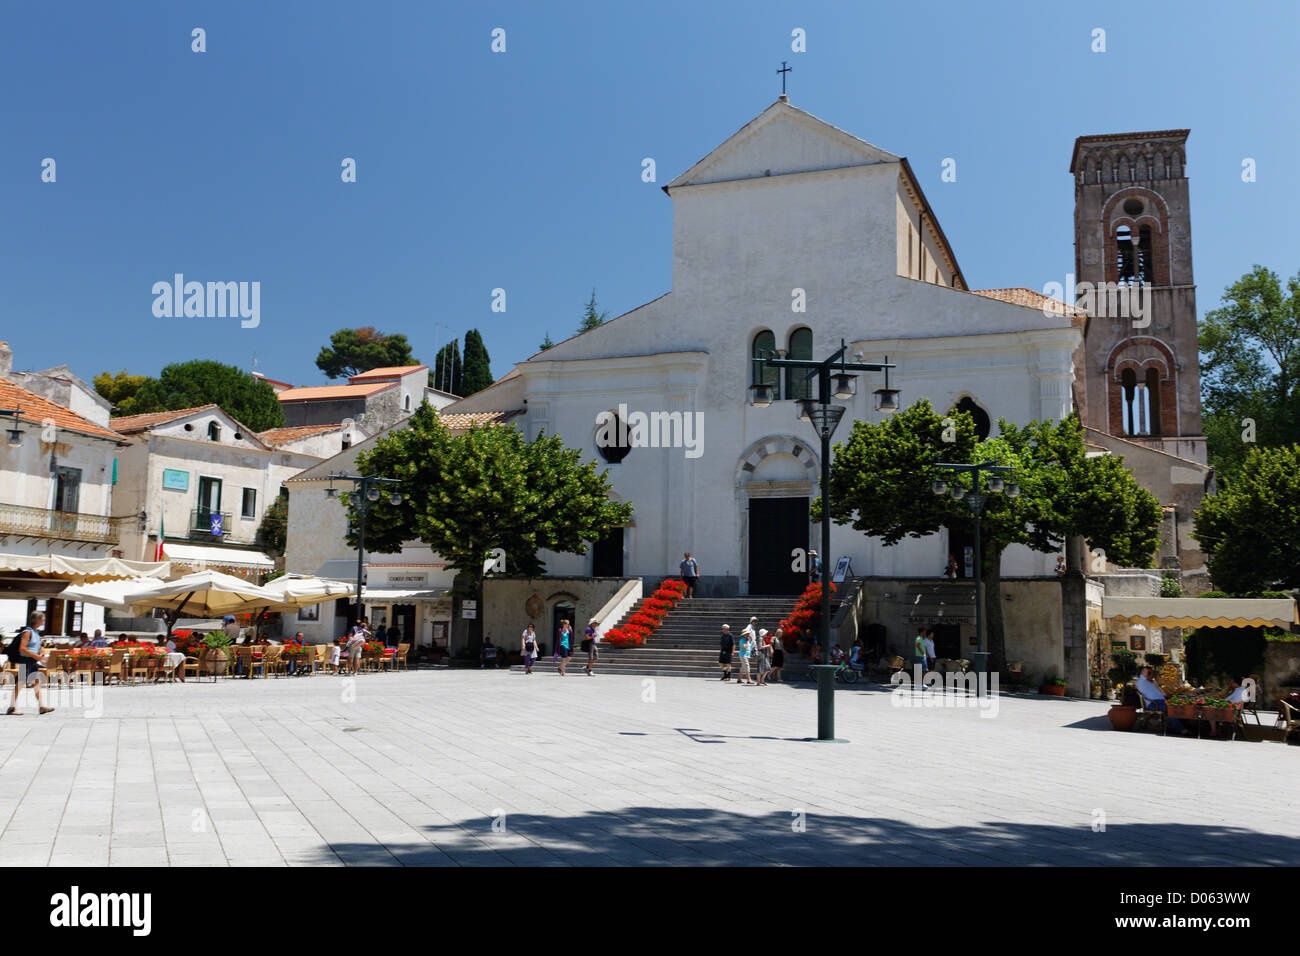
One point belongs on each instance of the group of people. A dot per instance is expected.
(529, 647)
(758, 649)
(1154, 698)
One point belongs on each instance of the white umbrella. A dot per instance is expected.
(293, 591)
(110, 594)
(202, 594)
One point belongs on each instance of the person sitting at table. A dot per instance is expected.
(83, 640)
(1155, 698)
(99, 640)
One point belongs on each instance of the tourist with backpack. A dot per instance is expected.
(25, 651)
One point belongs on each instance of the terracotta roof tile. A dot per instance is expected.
(391, 371)
(137, 423)
(282, 436)
(36, 410)
(319, 393)
(1030, 299)
(464, 420)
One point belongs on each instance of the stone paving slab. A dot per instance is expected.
(466, 768)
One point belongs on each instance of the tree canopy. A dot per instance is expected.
(477, 374)
(249, 400)
(121, 389)
(353, 351)
(1250, 369)
(466, 495)
(1251, 528)
(881, 485)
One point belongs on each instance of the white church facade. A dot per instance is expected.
(790, 235)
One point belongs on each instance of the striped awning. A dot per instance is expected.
(1201, 612)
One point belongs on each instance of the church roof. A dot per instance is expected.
(853, 151)
(1030, 299)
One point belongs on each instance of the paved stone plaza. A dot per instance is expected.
(414, 768)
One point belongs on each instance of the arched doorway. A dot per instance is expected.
(775, 480)
(563, 611)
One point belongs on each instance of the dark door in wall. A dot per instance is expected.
(404, 619)
(947, 641)
(607, 556)
(776, 527)
(564, 611)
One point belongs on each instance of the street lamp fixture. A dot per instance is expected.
(760, 395)
(886, 398)
(824, 417)
(369, 493)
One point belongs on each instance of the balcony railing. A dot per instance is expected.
(59, 525)
(201, 523)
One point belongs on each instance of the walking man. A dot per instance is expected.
(919, 652)
(592, 639)
(25, 651)
(690, 569)
(929, 647)
(724, 654)
(814, 567)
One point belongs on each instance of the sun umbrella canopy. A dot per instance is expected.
(82, 570)
(1201, 612)
(202, 594)
(110, 594)
(293, 591)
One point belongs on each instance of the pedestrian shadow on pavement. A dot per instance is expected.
(649, 836)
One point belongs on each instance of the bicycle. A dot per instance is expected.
(843, 672)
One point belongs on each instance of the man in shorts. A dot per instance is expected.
(724, 654)
(25, 651)
(690, 569)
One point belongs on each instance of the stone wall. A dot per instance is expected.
(505, 614)
(1281, 668)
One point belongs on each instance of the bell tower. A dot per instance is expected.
(1137, 376)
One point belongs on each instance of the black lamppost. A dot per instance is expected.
(367, 489)
(995, 484)
(825, 417)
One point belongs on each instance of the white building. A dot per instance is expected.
(791, 235)
(57, 469)
(205, 480)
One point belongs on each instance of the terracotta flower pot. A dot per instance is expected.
(1121, 717)
(1053, 690)
(1183, 711)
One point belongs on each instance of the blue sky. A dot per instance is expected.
(522, 170)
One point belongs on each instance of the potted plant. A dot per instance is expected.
(1123, 713)
(218, 657)
(1052, 685)
(1184, 706)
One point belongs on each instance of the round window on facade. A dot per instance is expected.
(612, 441)
(1133, 207)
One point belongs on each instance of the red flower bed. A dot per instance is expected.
(646, 616)
(804, 621)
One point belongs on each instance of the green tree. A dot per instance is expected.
(353, 351)
(446, 374)
(478, 367)
(1251, 528)
(273, 532)
(121, 389)
(1250, 369)
(591, 314)
(546, 343)
(881, 477)
(466, 495)
(249, 400)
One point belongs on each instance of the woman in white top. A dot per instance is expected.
(528, 647)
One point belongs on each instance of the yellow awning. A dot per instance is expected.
(1201, 612)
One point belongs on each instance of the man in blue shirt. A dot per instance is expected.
(1155, 697)
(690, 574)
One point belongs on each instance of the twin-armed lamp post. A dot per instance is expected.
(996, 484)
(367, 488)
(825, 418)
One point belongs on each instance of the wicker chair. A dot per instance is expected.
(115, 667)
(399, 659)
(252, 664)
(273, 661)
(194, 665)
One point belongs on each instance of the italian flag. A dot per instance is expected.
(159, 553)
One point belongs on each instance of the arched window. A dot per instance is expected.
(983, 425)
(1136, 401)
(765, 347)
(1153, 401)
(1125, 255)
(214, 431)
(797, 384)
(408, 403)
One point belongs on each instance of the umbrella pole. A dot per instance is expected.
(174, 616)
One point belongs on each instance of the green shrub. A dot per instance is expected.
(1126, 666)
(1224, 652)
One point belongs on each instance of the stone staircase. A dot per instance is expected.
(686, 642)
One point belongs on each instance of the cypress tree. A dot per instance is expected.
(478, 367)
(447, 371)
